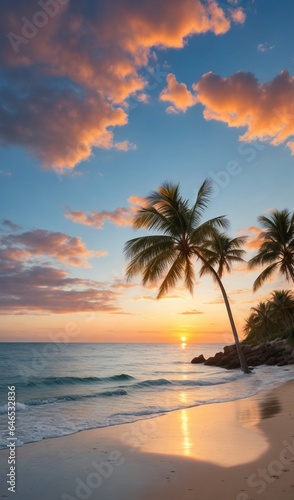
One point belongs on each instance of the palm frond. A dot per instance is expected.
(174, 274)
(264, 275)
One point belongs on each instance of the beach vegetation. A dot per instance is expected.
(272, 318)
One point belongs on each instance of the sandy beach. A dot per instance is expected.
(240, 450)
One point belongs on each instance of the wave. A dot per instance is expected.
(153, 382)
(76, 397)
(18, 407)
(201, 383)
(74, 380)
(183, 382)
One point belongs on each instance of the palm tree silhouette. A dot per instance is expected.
(277, 247)
(183, 239)
(282, 306)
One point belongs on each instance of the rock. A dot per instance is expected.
(271, 361)
(229, 348)
(199, 359)
(210, 361)
(275, 352)
(283, 363)
(235, 363)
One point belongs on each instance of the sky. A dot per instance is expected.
(101, 102)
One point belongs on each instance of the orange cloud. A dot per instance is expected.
(194, 311)
(137, 200)
(68, 79)
(253, 242)
(178, 94)
(266, 110)
(238, 15)
(120, 216)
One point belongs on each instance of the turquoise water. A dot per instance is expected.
(65, 388)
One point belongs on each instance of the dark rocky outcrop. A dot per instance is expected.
(275, 352)
(199, 359)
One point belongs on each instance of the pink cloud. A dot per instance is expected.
(35, 289)
(178, 94)
(28, 286)
(39, 243)
(68, 81)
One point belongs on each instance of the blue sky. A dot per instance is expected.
(60, 96)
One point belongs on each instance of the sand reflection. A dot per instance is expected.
(222, 434)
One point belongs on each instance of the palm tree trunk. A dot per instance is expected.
(243, 362)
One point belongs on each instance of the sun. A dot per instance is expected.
(183, 339)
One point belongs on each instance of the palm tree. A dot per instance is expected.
(264, 314)
(251, 328)
(282, 306)
(183, 239)
(222, 251)
(277, 247)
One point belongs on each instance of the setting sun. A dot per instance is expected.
(183, 339)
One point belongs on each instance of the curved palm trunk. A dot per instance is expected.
(243, 362)
(242, 359)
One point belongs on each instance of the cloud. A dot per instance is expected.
(144, 297)
(28, 286)
(264, 47)
(242, 290)
(11, 226)
(120, 216)
(265, 110)
(5, 174)
(191, 312)
(238, 15)
(178, 94)
(253, 241)
(39, 243)
(49, 290)
(121, 284)
(69, 69)
(219, 300)
(137, 200)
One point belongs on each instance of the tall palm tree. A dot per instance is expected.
(277, 247)
(182, 240)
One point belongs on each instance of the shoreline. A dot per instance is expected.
(200, 403)
(218, 449)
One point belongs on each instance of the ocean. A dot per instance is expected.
(65, 388)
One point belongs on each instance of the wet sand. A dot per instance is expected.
(241, 450)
